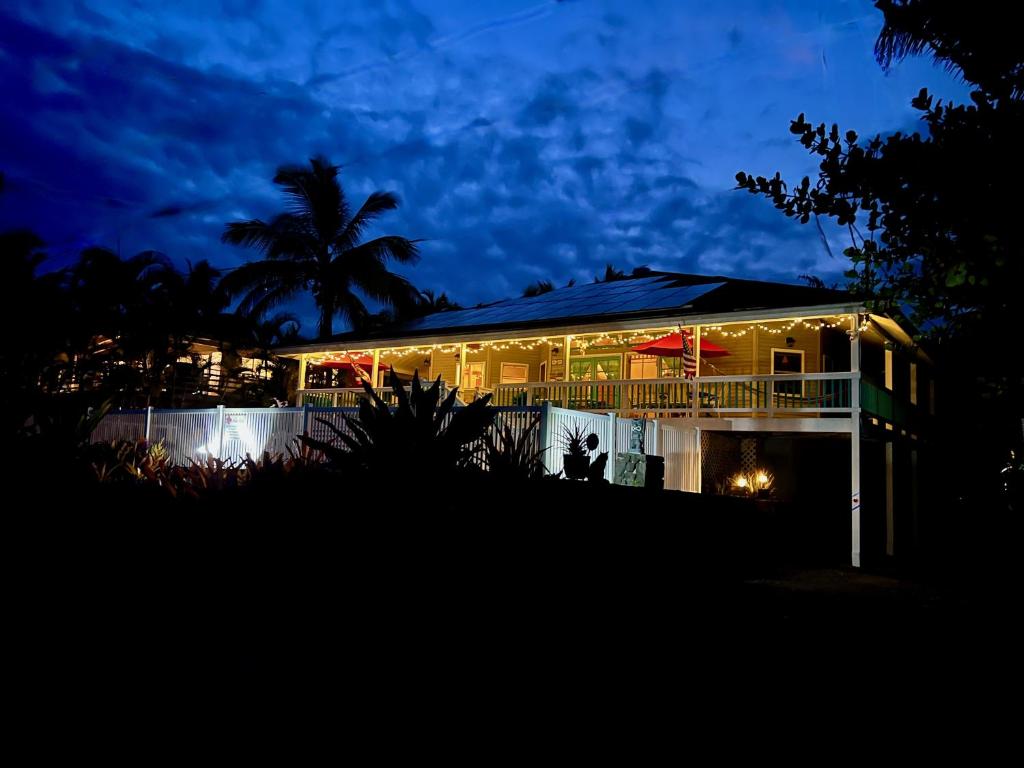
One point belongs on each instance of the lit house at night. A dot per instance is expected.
(803, 382)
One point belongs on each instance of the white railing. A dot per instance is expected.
(349, 397)
(760, 394)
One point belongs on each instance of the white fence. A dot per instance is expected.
(678, 443)
(234, 433)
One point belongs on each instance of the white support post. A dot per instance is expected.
(700, 462)
(302, 372)
(609, 467)
(461, 366)
(854, 442)
(546, 443)
(220, 431)
(890, 446)
(565, 359)
(375, 368)
(696, 347)
(149, 423)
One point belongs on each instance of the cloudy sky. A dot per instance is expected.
(526, 139)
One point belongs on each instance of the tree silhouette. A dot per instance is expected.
(932, 219)
(316, 245)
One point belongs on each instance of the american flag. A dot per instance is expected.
(689, 358)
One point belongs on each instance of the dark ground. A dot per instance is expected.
(557, 606)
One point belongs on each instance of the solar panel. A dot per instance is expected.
(589, 300)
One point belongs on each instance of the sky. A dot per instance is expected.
(527, 140)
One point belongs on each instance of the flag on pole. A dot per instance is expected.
(689, 357)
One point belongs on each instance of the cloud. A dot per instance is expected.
(544, 142)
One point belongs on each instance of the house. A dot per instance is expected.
(801, 383)
(198, 372)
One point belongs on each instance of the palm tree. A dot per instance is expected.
(427, 303)
(538, 288)
(315, 245)
(982, 44)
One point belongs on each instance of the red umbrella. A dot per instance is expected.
(672, 346)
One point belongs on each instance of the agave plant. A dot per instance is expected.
(420, 436)
(514, 456)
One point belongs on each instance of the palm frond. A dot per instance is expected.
(384, 249)
(376, 204)
(314, 194)
(265, 284)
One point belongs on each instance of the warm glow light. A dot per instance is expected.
(741, 482)
(762, 478)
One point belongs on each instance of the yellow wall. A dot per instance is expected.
(806, 340)
(739, 363)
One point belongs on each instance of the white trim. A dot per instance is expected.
(787, 350)
(466, 372)
(501, 372)
(669, 323)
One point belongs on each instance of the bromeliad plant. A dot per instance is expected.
(419, 437)
(577, 461)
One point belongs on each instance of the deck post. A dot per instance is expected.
(546, 424)
(609, 467)
(375, 369)
(696, 347)
(890, 501)
(461, 365)
(149, 423)
(854, 442)
(302, 372)
(220, 431)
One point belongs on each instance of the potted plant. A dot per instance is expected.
(578, 446)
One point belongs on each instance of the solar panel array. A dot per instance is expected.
(593, 299)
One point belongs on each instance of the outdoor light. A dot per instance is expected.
(741, 482)
(790, 341)
(762, 479)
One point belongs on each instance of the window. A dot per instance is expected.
(515, 373)
(643, 367)
(788, 361)
(473, 376)
(671, 367)
(595, 368)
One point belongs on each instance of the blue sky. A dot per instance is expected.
(526, 139)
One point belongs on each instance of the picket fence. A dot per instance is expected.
(232, 434)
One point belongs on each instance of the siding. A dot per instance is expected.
(806, 340)
(739, 363)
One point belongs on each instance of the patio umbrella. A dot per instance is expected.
(672, 346)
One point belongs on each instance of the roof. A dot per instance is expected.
(658, 295)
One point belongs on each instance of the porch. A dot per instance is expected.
(768, 395)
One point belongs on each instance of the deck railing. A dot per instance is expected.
(761, 394)
(349, 397)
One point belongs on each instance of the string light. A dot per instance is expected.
(585, 341)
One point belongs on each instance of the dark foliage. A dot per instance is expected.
(317, 245)
(932, 218)
(514, 456)
(422, 438)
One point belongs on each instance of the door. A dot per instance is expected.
(596, 369)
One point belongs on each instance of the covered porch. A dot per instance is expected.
(758, 367)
